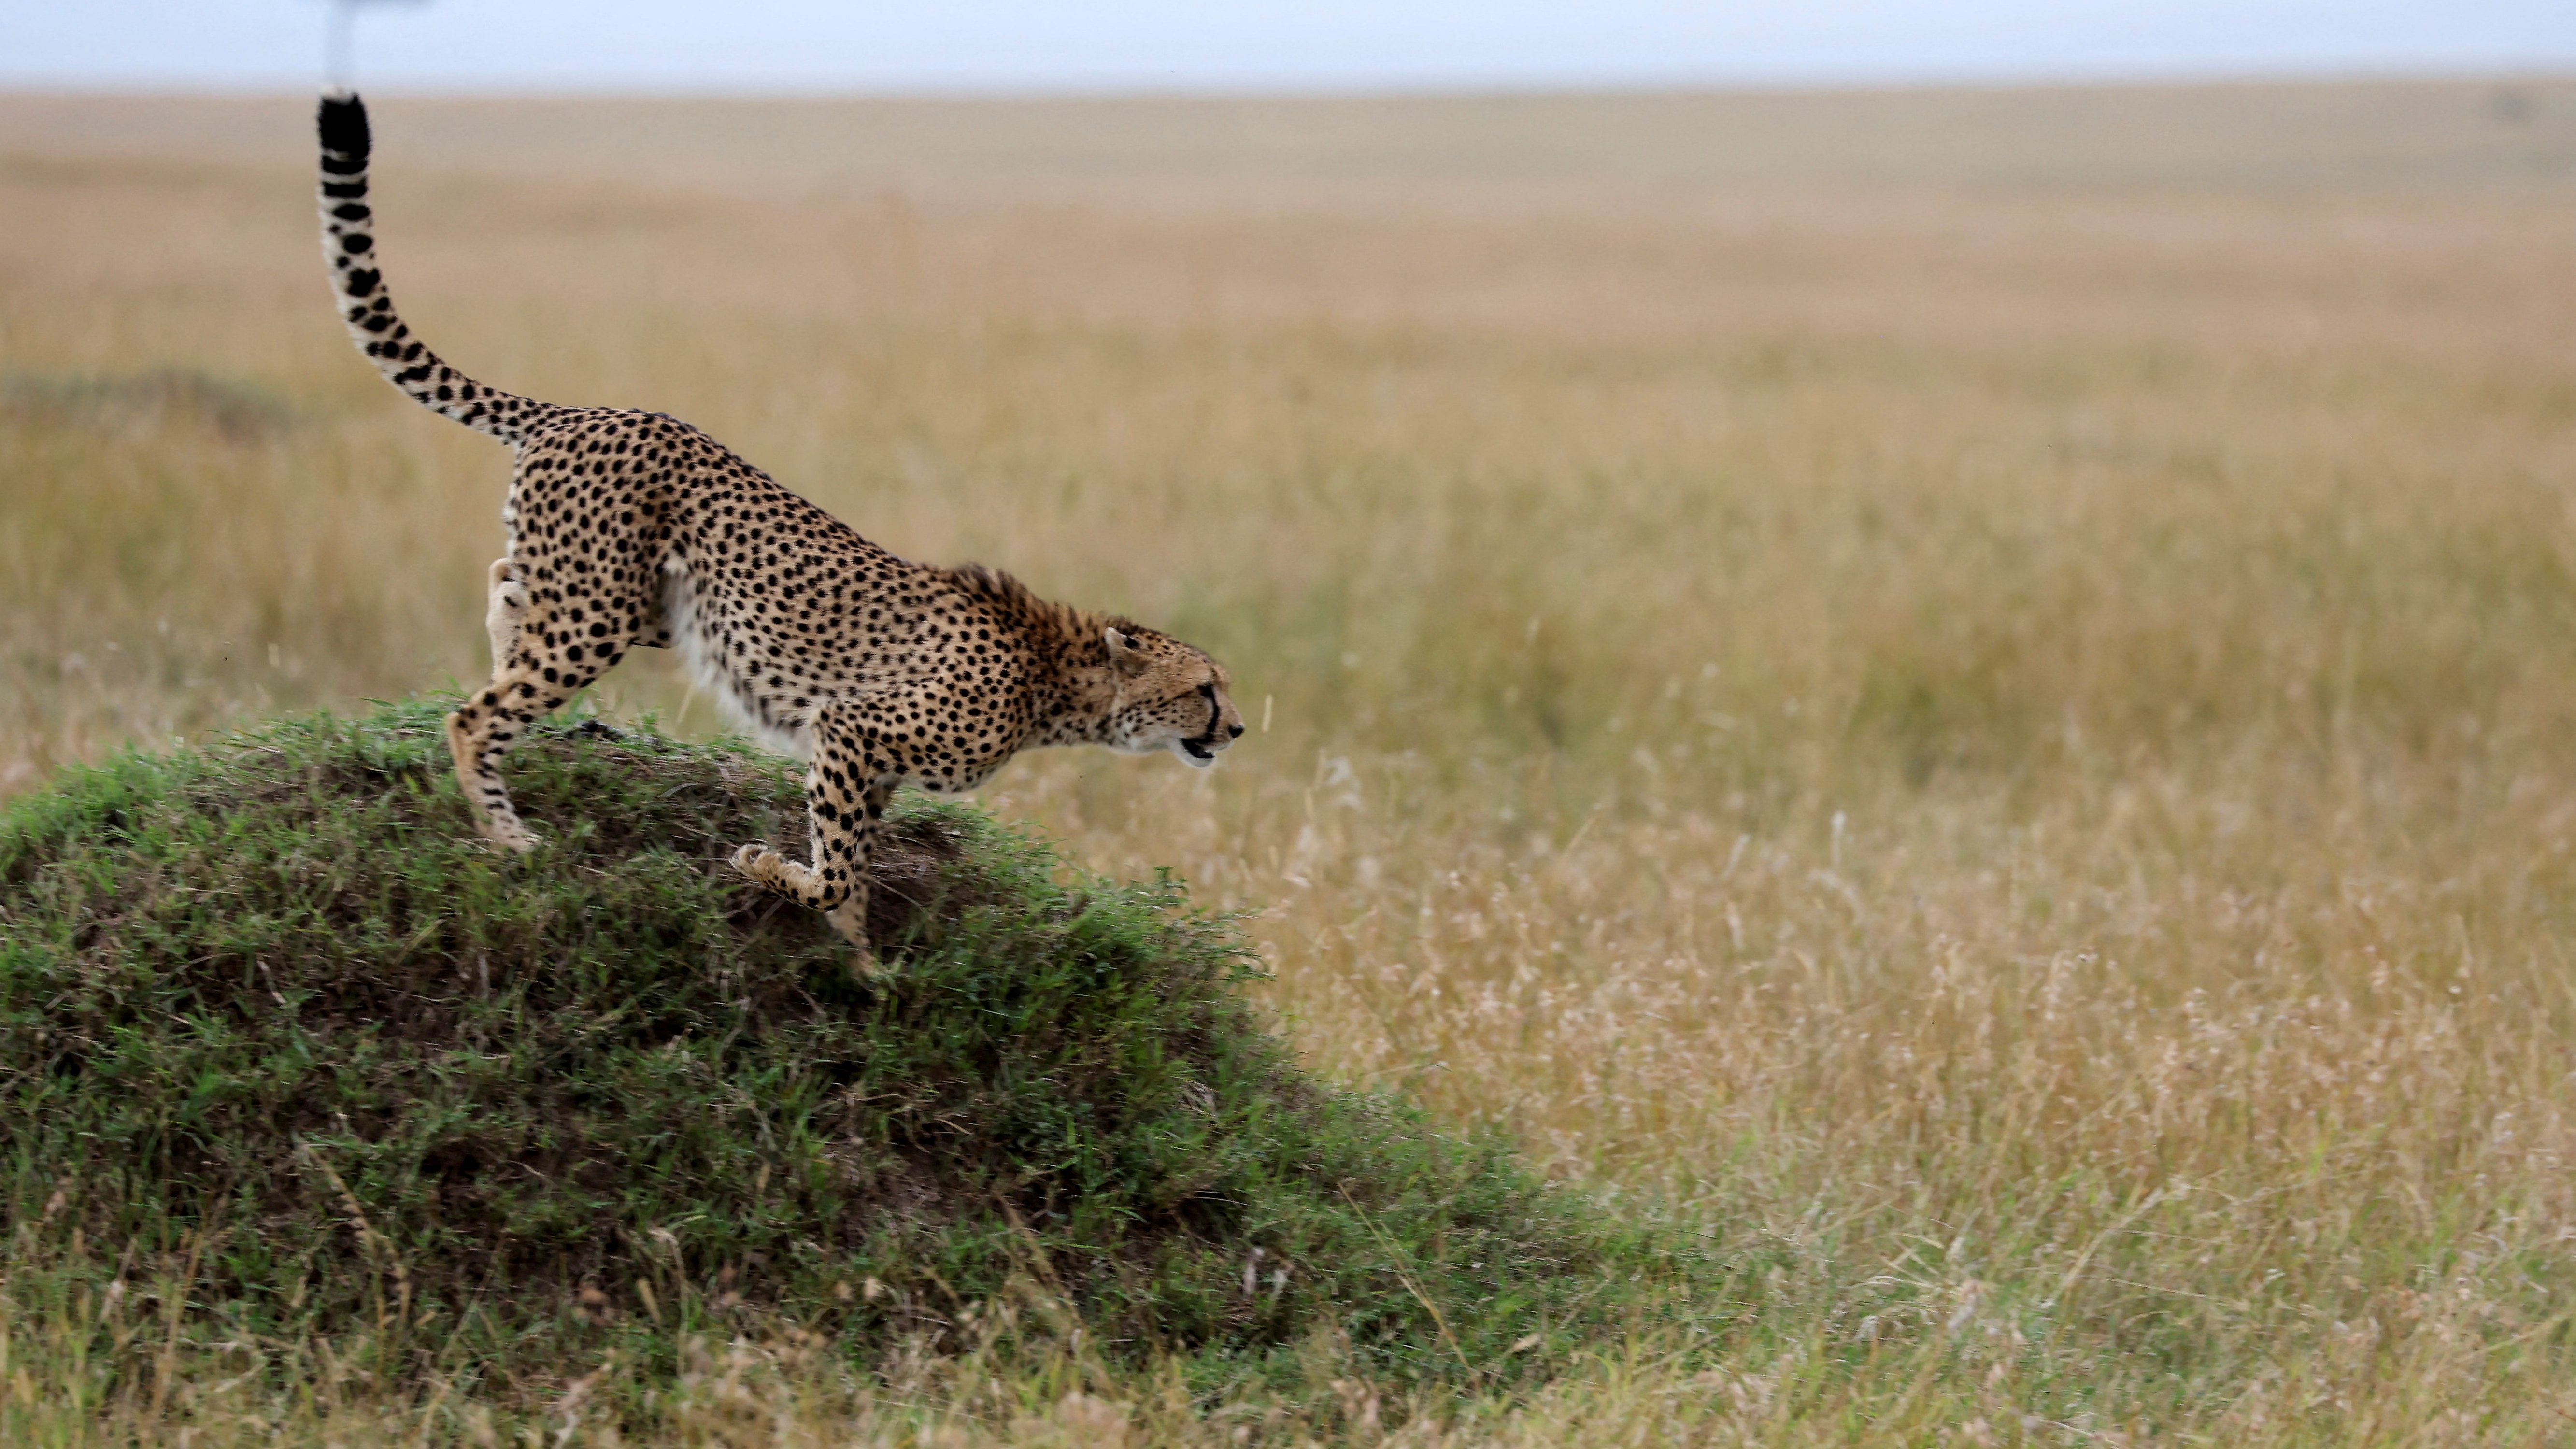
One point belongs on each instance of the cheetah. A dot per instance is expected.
(631, 529)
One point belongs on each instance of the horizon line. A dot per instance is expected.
(2559, 72)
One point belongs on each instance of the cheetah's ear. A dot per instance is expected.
(1124, 656)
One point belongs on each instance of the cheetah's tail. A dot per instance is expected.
(348, 240)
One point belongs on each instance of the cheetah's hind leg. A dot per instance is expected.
(509, 605)
(544, 666)
(494, 817)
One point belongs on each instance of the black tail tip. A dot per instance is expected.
(342, 121)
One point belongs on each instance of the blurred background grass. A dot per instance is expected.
(1972, 685)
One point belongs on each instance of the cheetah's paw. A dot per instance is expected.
(767, 867)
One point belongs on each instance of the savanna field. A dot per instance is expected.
(1967, 698)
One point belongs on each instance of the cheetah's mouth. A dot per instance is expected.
(1200, 750)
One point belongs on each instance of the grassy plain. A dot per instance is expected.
(1974, 689)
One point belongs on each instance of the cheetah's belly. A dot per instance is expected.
(697, 633)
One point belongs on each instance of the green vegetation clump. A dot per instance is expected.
(274, 1026)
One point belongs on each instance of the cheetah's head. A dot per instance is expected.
(1169, 697)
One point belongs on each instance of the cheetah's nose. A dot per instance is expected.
(1234, 731)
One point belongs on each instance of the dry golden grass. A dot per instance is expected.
(1992, 722)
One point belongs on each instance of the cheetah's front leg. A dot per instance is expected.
(845, 798)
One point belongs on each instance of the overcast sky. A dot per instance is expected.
(1054, 45)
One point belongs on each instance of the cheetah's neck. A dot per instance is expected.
(1073, 689)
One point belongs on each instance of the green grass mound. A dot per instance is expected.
(277, 1033)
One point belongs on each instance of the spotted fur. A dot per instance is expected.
(631, 528)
